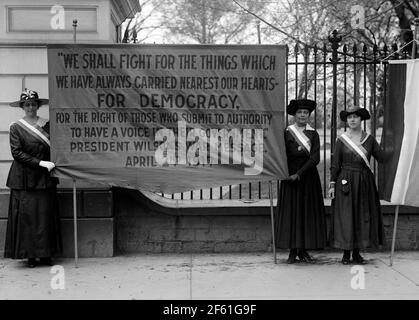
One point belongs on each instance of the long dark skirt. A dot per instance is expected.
(357, 221)
(33, 227)
(300, 215)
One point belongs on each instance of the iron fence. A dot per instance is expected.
(336, 75)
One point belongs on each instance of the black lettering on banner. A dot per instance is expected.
(164, 61)
(258, 62)
(118, 100)
(140, 161)
(191, 101)
(135, 61)
(62, 82)
(219, 62)
(62, 117)
(99, 146)
(98, 61)
(110, 100)
(187, 61)
(71, 61)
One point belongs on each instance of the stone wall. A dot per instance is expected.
(143, 226)
(95, 222)
(121, 221)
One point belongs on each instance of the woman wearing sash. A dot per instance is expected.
(33, 229)
(357, 220)
(300, 215)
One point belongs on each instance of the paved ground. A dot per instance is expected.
(213, 276)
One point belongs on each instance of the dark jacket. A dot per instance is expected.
(299, 161)
(27, 151)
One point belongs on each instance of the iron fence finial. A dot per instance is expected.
(74, 30)
(134, 35)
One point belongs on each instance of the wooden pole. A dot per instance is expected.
(396, 217)
(76, 255)
(272, 219)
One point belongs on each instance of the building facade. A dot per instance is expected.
(26, 27)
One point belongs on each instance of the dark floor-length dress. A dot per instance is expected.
(33, 228)
(357, 221)
(300, 214)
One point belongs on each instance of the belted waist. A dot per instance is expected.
(354, 166)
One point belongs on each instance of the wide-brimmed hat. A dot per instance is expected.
(294, 105)
(362, 112)
(29, 95)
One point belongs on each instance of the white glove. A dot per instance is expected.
(47, 164)
(332, 192)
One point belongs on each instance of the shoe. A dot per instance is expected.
(346, 259)
(358, 259)
(31, 262)
(305, 257)
(45, 261)
(292, 258)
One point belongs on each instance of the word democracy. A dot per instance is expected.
(191, 101)
(179, 101)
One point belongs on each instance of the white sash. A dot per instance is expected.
(35, 131)
(360, 150)
(300, 137)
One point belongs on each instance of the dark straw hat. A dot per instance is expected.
(362, 112)
(29, 95)
(294, 105)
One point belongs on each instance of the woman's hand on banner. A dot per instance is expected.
(47, 164)
(331, 192)
(293, 177)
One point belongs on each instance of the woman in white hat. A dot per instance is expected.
(33, 229)
(300, 215)
(357, 222)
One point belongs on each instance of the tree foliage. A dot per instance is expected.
(302, 24)
(207, 22)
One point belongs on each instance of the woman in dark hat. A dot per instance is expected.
(33, 229)
(357, 220)
(300, 216)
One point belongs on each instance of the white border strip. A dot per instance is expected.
(403, 61)
(410, 136)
